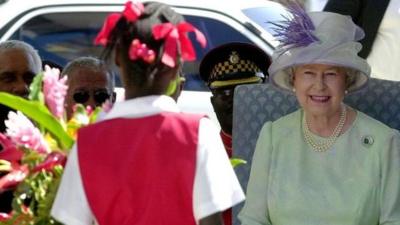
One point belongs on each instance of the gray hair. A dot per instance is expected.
(93, 64)
(27, 48)
(351, 76)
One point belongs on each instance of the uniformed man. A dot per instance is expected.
(225, 67)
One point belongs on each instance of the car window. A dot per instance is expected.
(265, 16)
(61, 37)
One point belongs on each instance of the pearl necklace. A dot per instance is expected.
(324, 145)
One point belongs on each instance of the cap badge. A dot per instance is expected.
(234, 57)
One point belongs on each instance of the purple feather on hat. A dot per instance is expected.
(296, 30)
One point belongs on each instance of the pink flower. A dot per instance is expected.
(22, 132)
(10, 152)
(89, 110)
(54, 90)
(13, 178)
(53, 159)
(5, 216)
(107, 106)
(21, 217)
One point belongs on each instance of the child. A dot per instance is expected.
(147, 163)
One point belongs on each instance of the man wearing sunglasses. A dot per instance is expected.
(19, 63)
(223, 68)
(90, 83)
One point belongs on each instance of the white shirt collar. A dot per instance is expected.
(143, 106)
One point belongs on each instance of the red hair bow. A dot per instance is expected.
(108, 26)
(132, 11)
(172, 34)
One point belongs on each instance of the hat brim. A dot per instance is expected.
(226, 83)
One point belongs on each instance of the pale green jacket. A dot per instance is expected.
(356, 182)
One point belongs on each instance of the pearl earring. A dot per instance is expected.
(346, 92)
(294, 89)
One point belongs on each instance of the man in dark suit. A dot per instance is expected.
(19, 63)
(367, 14)
(380, 21)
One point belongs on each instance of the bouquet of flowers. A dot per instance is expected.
(35, 149)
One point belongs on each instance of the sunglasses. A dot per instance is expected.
(99, 96)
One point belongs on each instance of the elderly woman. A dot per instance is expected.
(326, 163)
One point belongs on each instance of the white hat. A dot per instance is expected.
(317, 38)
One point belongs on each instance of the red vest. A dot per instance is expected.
(140, 171)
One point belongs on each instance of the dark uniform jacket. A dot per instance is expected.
(367, 14)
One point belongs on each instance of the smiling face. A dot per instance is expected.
(320, 88)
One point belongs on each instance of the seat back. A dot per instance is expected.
(256, 104)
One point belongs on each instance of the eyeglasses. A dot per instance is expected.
(99, 96)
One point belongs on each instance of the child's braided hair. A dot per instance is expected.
(124, 32)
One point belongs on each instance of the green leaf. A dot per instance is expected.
(35, 93)
(40, 114)
(95, 114)
(236, 161)
(172, 86)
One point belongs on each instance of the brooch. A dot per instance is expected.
(367, 140)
